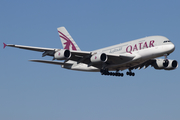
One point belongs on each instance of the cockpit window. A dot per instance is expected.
(166, 41)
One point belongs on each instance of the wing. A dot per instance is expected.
(113, 59)
(51, 62)
(145, 64)
(77, 56)
(47, 51)
(38, 49)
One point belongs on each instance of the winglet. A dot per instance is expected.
(4, 45)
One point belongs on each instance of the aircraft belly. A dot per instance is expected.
(81, 67)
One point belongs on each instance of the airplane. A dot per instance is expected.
(130, 55)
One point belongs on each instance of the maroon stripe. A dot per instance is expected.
(68, 41)
(64, 38)
(63, 35)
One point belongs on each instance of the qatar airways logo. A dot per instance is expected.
(139, 46)
(68, 42)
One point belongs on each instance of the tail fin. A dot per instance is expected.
(66, 39)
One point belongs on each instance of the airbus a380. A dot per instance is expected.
(131, 55)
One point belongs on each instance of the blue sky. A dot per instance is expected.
(41, 91)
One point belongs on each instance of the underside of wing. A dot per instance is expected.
(119, 59)
(96, 59)
(51, 62)
(112, 59)
(144, 64)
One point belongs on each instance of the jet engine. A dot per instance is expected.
(173, 64)
(62, 54)
(102, 57)
(165, 64)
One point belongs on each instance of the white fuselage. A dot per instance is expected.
(143, 49)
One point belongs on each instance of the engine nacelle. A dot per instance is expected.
(173, 64)
(62, 54)
(165, 64)
(102, 57)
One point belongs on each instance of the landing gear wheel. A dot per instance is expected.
(106, 72)
(133, 74)
(130, 73)
(121, 74)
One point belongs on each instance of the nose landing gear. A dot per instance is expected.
(166, 61)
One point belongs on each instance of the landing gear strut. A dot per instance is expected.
(106, 72)
(166, 61)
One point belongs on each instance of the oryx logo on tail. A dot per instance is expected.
(66, 39)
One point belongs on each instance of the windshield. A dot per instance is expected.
(166, 41)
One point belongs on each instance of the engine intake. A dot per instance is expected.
(98, 58)
(173, 64)
(62, 54)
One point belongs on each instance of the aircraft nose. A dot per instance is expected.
(171, 47)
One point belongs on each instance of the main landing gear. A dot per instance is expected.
(106, 72)
(130, 73)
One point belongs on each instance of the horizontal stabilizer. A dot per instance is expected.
(51, 62)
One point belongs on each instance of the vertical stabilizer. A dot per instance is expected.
(66, 39)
